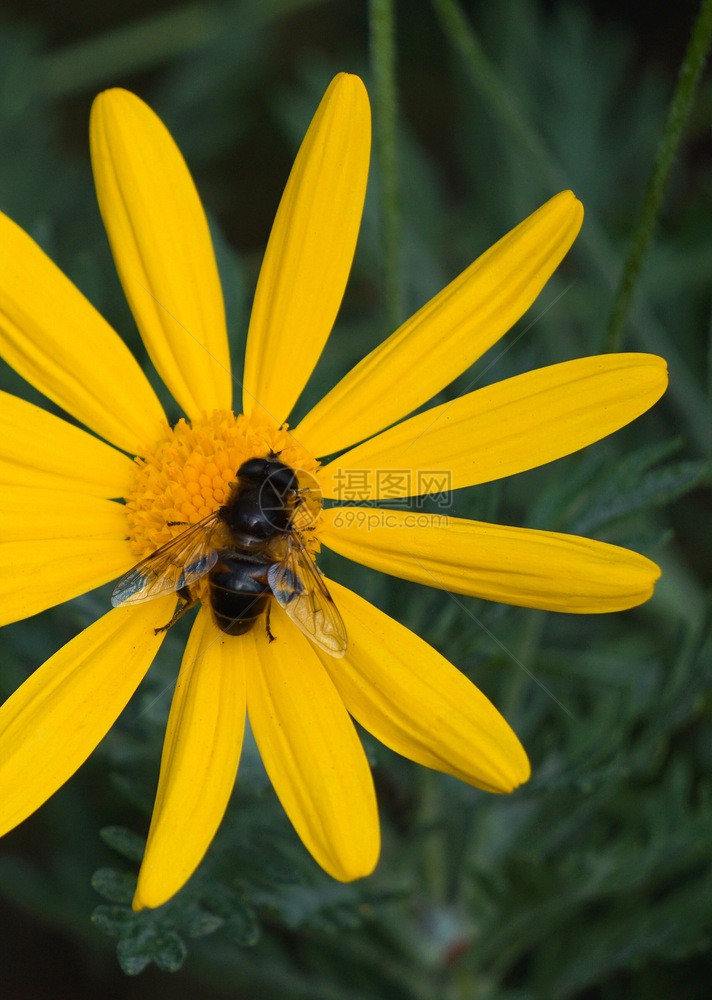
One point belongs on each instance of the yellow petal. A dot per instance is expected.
(57, 340)
(51, 724)
(199, 763)
(311, 751)
(505, 428)
(41, 451)
(46, 515)
(310, 250)
(417, 703)
(447, 334)
(162, 248)
(38, 574)
(533, 569)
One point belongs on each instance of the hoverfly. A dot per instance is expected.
(251, 551)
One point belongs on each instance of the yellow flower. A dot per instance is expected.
(64, 532)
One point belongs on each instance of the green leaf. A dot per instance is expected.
(242, 926)
(116, 886)
(124, 842)
(201, 923)
(170, 953)
(656, 488)
(116, 921)
(132, 958)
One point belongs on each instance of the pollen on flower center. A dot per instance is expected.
(191, 471)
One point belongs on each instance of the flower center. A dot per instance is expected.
(192, 471)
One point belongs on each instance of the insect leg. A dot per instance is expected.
(269, 630)
(187, 601)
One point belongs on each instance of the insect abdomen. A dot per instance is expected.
(239, 593)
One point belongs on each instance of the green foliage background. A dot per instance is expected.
(593, 881)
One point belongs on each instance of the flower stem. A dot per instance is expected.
(383, 58)
(678, 115)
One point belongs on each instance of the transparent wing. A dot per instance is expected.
(299, 588)
(176, 564)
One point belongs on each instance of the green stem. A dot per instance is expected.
(383, 58)
(678, 115)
